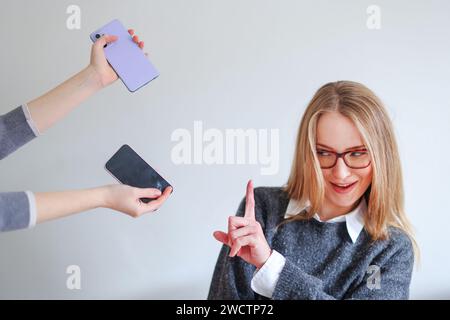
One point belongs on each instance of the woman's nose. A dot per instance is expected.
(340, 170)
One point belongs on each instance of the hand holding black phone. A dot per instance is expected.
(130, 169)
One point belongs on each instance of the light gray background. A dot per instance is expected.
(231, 64)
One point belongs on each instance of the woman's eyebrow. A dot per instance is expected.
(351, 148)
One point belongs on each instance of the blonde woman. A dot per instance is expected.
(338, 229)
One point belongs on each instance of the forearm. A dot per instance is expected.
(53, 205)
(58, 102)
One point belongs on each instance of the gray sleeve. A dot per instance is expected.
(294, 284)
(231, 279)
(394, 274)
(16, 129)
(17, 210)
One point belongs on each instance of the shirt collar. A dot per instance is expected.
(354, 220)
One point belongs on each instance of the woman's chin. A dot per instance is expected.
(341, 200)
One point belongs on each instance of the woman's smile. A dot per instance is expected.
(343, 188)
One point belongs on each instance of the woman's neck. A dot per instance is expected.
(329, 211)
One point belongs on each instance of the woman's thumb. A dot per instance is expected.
(105, 40)
(149, 193)
(221, 236)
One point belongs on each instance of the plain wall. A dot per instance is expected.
(232, 65)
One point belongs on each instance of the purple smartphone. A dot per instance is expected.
(125, 57)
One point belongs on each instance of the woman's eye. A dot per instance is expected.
(358, 153)
(323, 153)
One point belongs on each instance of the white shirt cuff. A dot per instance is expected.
(33, 211)
(30, 121)
(265, 279)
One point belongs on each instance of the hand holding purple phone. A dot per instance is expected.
(106, 74)
(117, 46)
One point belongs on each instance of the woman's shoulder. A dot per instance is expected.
(398, 239)
(270, 191)
(270, 200)
(397, 246)
(267, 196)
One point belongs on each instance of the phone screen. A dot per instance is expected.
(130, 169)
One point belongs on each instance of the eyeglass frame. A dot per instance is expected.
(342, 155)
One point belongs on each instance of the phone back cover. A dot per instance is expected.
(126, 58)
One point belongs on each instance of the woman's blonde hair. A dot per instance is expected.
(385, 200)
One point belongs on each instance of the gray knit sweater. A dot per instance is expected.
(321, 260)
(17, 209)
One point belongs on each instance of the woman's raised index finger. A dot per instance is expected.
(249, 201)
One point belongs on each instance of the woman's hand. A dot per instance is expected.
(126, 199)
(245, 236)
(105, 74)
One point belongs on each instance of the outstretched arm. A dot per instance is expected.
(58, 102)
(123, 198)
(19, 210)
(24, 123)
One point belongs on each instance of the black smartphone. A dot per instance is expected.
(130, 169)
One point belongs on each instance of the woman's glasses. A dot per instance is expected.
(355, 159)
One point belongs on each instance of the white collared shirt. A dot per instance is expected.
(266, 278)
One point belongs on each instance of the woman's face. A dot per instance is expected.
(338, 133)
